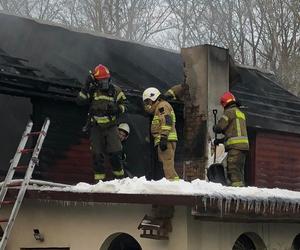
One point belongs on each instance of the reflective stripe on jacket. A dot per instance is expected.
(163, 123)
(233, 126)
(100, 101)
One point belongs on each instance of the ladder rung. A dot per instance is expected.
(7, 202)
(14, 184)
(20, 167)
(36, 133)
(3, 220)
(26, 150)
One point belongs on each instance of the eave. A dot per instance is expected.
(202, 207)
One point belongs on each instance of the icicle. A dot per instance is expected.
(257, 206)
(220, 205)
(237, 205)
(244, 204)
(204, 199)
(294, 207)
(273, 205)
(249, 205)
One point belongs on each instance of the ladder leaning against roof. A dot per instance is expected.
(22, 184)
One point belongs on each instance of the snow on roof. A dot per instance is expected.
(181, 187)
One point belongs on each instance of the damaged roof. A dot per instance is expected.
(60, 54)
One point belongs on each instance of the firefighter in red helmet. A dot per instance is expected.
(107, 103)
(233, 125)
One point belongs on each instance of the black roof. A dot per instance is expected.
(60, 58)
(60, 53)
(268, 105)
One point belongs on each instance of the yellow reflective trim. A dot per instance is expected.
(165, 127)
(121, 95)
(225, 118)
(82, 95)
(238, 127)
(172, 136)
(173, 116)
(171, 92)
(175, 179)
(103, 97)
(239, 114)
(104, 119)
(122, 108)
(156, 139)
(237, 140)
(237, 184)
(155, 120)
(118, 173)
(99, 176)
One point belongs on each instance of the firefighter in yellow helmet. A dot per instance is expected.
(233, 125)
(162, 129)
(107, 103)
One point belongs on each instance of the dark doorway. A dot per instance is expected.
(296, 243)
(249, 241)
(124, 242)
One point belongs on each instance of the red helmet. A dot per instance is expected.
(226, 98)
(101, 72)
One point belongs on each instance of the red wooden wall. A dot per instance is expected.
(276, 160)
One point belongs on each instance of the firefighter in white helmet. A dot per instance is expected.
(162, 129)
(124, 131)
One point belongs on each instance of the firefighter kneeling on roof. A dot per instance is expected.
(107, 102)
(233, 125)
(162, 129)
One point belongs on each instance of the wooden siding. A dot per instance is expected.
(277, 160)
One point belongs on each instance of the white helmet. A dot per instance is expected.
(151, 93)
(125, 127)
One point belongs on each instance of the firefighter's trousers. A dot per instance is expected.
(167, 159)
(235, 166)
(106, 141)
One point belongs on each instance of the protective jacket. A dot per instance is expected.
(163, 123)
(106, 105)
(233, 125)
(175, 93)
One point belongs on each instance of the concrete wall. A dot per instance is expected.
(207, 74)
(88, 227)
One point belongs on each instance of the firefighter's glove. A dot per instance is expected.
(216, 129)
(113, 109)
(163, 144)
(218, 141)
(85, 129)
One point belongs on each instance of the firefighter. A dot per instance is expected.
(124, 131)
(176, 93)
(162, 129)
(107, 103)
(233, 125)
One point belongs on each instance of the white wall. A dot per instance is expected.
(88, 226)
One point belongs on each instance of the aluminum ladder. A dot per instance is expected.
(22, 184)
